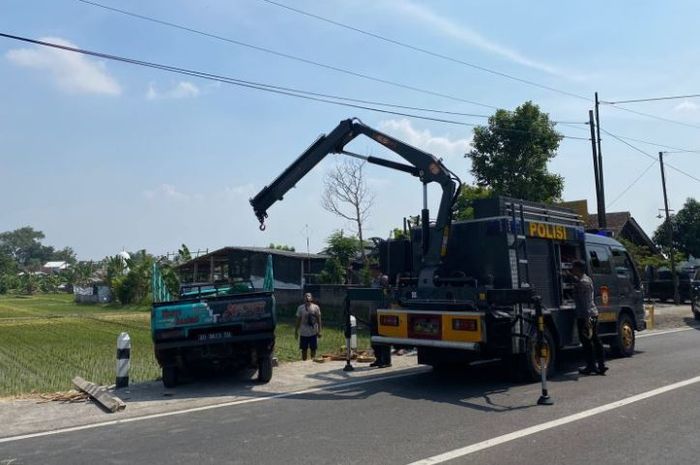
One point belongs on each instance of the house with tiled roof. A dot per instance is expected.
(622, 225)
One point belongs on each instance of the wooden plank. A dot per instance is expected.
(109, 401)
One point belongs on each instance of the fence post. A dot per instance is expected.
(123, 360)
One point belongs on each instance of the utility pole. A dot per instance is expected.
(308, 253)
(602, 220)
(669, 232)
(591, 123)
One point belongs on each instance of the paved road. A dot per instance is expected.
(408, 419)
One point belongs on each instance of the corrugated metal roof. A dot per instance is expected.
(60, 264)
(263, 250)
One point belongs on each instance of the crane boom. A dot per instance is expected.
(423, 165)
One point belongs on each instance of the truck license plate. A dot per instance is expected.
(214, 336)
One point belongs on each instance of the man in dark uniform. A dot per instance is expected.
(587, 319)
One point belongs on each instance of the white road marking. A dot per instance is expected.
(404, 373)
(667, 331)
(463, 451)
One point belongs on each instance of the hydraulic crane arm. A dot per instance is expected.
(423, 165)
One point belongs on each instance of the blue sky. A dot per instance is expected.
(102, 155)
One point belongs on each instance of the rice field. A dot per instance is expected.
(46, 340)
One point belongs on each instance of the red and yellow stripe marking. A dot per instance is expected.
(472, 324)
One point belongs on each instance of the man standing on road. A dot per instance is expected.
(308, 326)
(587, 318)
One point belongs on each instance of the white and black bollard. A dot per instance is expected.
(123, 360)
(353, 333)
(348, 336)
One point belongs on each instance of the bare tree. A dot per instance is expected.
(346, 194)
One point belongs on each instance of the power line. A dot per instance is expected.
(424, 50)
(366, 76)
(632, 184)
(663, 146)
(649, 115)
(249, 84)
(288, 56)
(651, 99)
(650, 156)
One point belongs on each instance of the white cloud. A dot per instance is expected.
(166, 191)
(440, 146)
(72, 72)
(470, 37)
(183, 89)
(687, 106)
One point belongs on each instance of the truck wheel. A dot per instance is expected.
(265, 368)
(532, 370)
(695, 306)
(170, 376)
(623, 344)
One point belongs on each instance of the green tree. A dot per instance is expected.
(81, 273)
(115, 267)
(464, 207)
(24, 247)
(510, 155)
(686, 229)
(29, 283)
(342, 250)
(22, 244)
(183, 254)
(135, 286)
(333, 272)
(642, 256)
(274, 246)
(9, 283)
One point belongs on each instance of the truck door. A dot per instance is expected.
(604, 280)
(629, 284)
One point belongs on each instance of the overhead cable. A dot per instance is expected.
(652, 99)
(250, 84)
(632, 184)
(289, 56)
(425, 51)
(650, 156)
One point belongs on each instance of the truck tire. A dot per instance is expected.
(695, 307)
(170, 376)
(530, 369)
(265, 368)
(623, 344)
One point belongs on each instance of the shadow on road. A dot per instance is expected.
(483, 387)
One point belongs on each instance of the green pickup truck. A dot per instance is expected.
(230, 325)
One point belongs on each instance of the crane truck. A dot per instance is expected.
(462, 293)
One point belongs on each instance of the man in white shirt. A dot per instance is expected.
(308, 326)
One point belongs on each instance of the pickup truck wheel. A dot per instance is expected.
(170, 376)
(624, 342)
(265, 369)
(532, 369)
(696, 310)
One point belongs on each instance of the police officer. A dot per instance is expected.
(587, 319)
